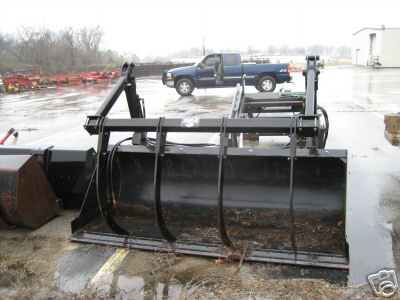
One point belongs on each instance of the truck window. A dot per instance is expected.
(231, 60)
(211, 60)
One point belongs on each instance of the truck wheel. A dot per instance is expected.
(184, 87)
(266, 84)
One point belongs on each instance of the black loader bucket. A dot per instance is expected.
(248, 206)
(67, 171)
(284, 205)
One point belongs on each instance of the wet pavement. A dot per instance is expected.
(48, 265)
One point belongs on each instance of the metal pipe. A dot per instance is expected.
(10, 132)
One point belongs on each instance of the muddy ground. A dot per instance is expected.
(43, 264)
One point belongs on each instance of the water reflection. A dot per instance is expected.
(136, 287)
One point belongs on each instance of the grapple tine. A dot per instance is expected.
(221, 171)
(102, 184)
(159, 154)
(293, 142)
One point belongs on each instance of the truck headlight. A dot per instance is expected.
(169, 76)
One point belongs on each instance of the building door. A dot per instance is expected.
(357, 55)
(372, 44)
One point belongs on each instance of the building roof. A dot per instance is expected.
(375, 28)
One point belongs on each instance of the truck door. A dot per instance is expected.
(219, 70)
(205, 73)
(232, 69)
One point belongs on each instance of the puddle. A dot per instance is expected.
(135, 287)
(146, 275)
(76, 267)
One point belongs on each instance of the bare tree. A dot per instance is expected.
(271, 50)
(251, 50)
(283, 50)
(297, 51)
(316, 49)
(343, 52)
(89, 42)
(131, 57)
(4, 46)
(42, 48)
(67, 48)
(24, 39)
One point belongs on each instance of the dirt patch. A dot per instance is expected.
(149, 275)
(28, 129)
(27, 262)
(239, 288)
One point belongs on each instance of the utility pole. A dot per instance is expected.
(204, 47)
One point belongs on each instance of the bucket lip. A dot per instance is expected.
(312, 259)
(232, 151)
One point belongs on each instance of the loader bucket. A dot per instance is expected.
(26, 197)
(256, 200)
(67, 171)
(260, 220)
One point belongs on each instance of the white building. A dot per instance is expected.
(376, 45)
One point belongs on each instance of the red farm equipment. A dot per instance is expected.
(17, 82)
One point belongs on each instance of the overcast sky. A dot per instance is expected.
(159, 27)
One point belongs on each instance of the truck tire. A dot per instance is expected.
(184, 87)
(266, 84)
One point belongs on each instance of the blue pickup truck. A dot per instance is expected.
(223, 70)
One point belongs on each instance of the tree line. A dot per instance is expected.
(322, 50)
(75, 50)
(68, 50)
(332, 51)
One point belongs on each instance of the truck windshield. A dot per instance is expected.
(199, 60)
